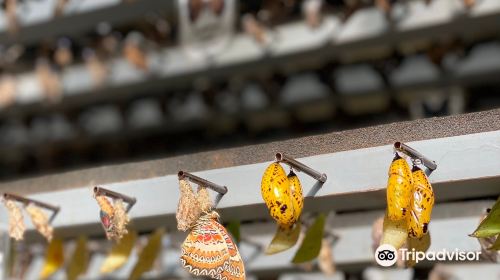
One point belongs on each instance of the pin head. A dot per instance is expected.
(279, 157)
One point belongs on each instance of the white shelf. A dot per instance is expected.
(467, 168)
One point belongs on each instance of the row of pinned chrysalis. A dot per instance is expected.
(409, 196)
(282, 195)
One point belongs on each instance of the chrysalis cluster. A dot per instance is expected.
(282, 194)
(38, 218)
(410, 199)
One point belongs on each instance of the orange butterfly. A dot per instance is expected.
(209, 251)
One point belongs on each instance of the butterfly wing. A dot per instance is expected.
(106, 214)
(204, 251)
(209, 251)
(233, 267)
(106, 221)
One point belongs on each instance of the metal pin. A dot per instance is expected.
(55, 209)
(222, 190)
(401, 147)
(281, 157)
(129, 200)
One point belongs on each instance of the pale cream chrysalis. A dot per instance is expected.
(16, 220)
(41, 221)
(120, 220)
(188, 209)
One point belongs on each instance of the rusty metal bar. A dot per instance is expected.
(281, 157)
(409, 151)
(24, 200)
(200, 181)
(109, 193)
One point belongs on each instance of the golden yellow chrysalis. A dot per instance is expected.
(297, 195)
(276, 192)
(421, 204)
(399, 187)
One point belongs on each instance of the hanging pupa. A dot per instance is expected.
(148, 255)
(40, 220)
(79, 261)
(54, 258)
(399, 187)
(106, 214)
(188, 210)
(120, 219)
(119, 254)
(16, 220)
(297, 194)
(203, 198)
(276, 192)
(421, 204)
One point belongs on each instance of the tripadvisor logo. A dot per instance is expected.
(386, 255)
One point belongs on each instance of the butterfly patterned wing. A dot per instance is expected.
(106, 214)
(204, 251)
(234, 268)
(209, 251)
(107, 224)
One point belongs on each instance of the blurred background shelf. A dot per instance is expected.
(344, 74)
(173, 70)
(38, 21)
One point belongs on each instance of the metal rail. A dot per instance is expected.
(54, 209)
(402, 147)
(127, 199)
(203, 182)
(281, 157)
